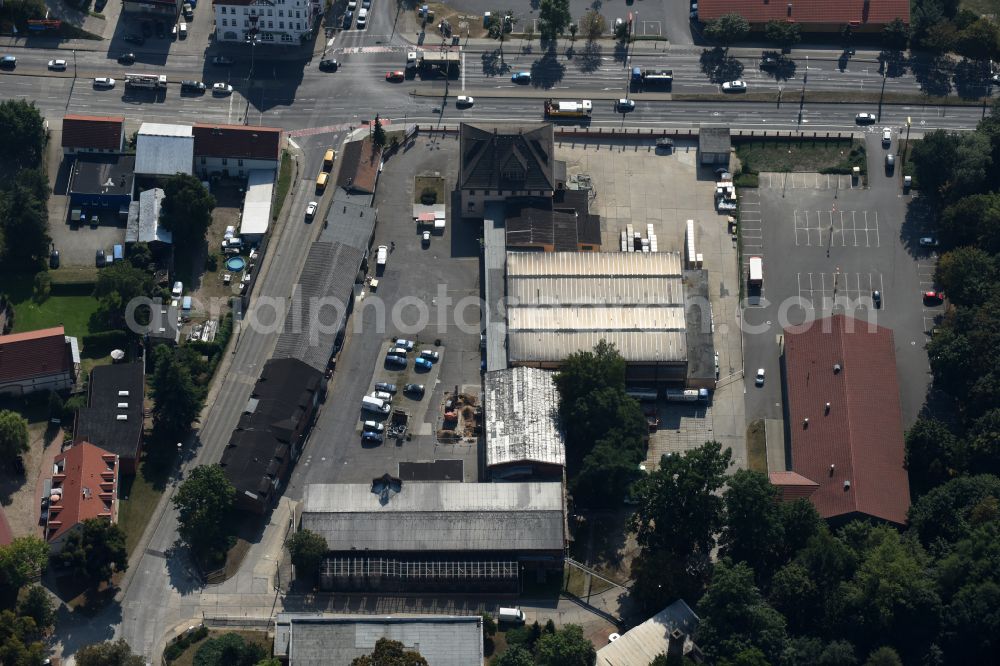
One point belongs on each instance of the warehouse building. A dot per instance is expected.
(559, 303)
(523, 438)
(435, 536)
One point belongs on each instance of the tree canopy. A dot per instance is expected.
(108, 653)
(565, 647)
(177, 401)
(306, 549)
(229, 649)
(783, 33)
(390, 653)
(187, 209)
(728, 29)
(203, 502)
(593, 25)
(553, 18)
(13, 434)
(95, 551)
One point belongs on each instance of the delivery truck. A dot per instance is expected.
(756, 273)
(150, 81)
(686, 395)
(567, 109)
(652, 78)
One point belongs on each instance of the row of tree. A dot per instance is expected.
(24, 186)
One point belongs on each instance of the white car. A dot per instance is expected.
(928, 241)
(311, 209)
(864, 118)
(425, 238)
(759, 380)
(373, 426)
(625, 105)
(57, 65)
(352, 5)
(734, 86)
(222, 88)
(430, 355)
(404, 343)
(104, 82)
(886, 137)
(177, 290)
(463, 101)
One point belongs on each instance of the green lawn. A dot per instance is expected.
(801, 155)
(757, 447)
(69, 306)
(134, 512)
(284, 182)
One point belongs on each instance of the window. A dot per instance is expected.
(472, 193)
(270, 12)
(225, 161)
(270, 24)
(239, 162)
(245, 12)
(203, 160)
(285, 37)
(281, 25)
(281, 13)
(246, 24)
(297, 14)
(223, 23)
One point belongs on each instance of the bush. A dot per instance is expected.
(43, 287)
(746, 179)
(74, 403)
(101, 344)
(212, 263)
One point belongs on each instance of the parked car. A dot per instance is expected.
(371, 438)
(57, 65)
(104, 82)
(126, 59)
(222, 60)
(877, 298)
(464, 101)
(329, 65)
(311, 209)
(422, 364)
(415, 390)
(385, 387)
(397, 351)
(425, 238)
(890, 163)
(933, 297)
(759, 379)
(886, 137)
(734, 86)
(395, 360)
(665, 143)
(54, 259)
(188, 11)
(184, 30)
(928, 241)
(348, 20)
(372, 426)
(221, 89)
(100, 259)
(177, 290)
(625, 105)
(382, 395)
(521, 77)
(395, 77)
(864, 118)
(404, 343)
(193, 86)
(430, 355)
(8, 62)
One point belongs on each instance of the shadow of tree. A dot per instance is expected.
(971, 78)
(547, 70)
(892, 64)
(933, 75)
(719, 66)
(620, 52)
(783, 70)
(493, 64)
(590, 57)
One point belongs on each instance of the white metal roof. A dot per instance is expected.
(596, 318)
(164, 129)
(652, 347)
(525, 290)
(164, 150)
(522, 418)
(257, 203)
(593, 264)
(642, 644)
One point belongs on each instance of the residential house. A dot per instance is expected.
(84, 487)
(360, 165)
(284, 22)
(235, 150)
(92, 134)
(113, 417)
(43, 360)
(562, 223)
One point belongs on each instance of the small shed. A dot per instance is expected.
(713, 146)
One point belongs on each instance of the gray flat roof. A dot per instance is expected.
(701, 347)
(522, 418)
(350, 220)
(713, 140)
(105, 174)
(257, 203)
(495, 258)
(315, 639)
(437, 517)
(163, 150)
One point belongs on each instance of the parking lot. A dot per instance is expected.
(422, 293)
(829, 249)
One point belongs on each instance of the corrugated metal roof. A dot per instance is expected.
(596, 318)
(257, 204)
(522, 418)
(525, 290)
(640, 645)
(594, 264)
(437, 517)
(164, 150)
(653, 347)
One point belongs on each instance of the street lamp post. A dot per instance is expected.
(906, 142)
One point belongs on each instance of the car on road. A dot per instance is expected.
(414, 390)
(464, 101)
(422, 364)
(385, 386)
(404, 343)
(430, 355)
(137, 39)
(933, 297)
(928, 241)
(57, 65)
(625, 105)
(372, 426)
(864, 118)
(759, 379)
(99, 259)
(521, 77)
(394, 360)
(177, 289)
(348, 19)
(734, 86)
(54, 259)
(395, 77)
(221, 89)
(877, 298)
(126, 59)
(222, 60)
(886, 137)
(104, 82)
(890, 163)
(328, 65)
(769, 60)
(193, 86)
(371, 438)
(311, 209)
(8, 62)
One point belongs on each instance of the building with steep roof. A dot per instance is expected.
(113, 417)
(360, 166)
(812, 15)
(164, 149)
(235, 150)
(43, 360)
(667, 632)
(500, 162)
(523, 436)
(92, 134)
(563, 223)
(84, 487)
(845, 420)
(144, 224)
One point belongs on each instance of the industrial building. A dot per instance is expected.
(523, 437)
(114, 415)
(668, 632)
(164, 150)
(102, 181)
(435, 536)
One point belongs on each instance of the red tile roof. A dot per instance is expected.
(861, 436)
(34, 354)
(793, 486)
(98, 132)
(808, 11)
(237, 141)
(88, 478)
(359, 165)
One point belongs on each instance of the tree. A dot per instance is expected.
(229, 649)
(982, 441)
(735, 616)
(979, 41)
(967, 275)
(607, 471)
(783, 33)
(500, 25)
(378, 134)
(390, 653)
(37, 604)
(727, 29)
(934, 159)
(972, 168)
(24, 220)
(107, 653)
(553, 17)
(931, 454)
(22, 135)
(895, 35)
(566, 647)
(621, 32)
(514, 656)
(13, 434)
(945, 515)
(187, 209)
(307, 550)
(753, 531)
(177, 402)
(972, 220)
(117, 285)
(21, 560)
(593, 25)
(95, 551)
(204, 502)
(884, 656)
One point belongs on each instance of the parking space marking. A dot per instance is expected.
(823, 296)
(807, 181)
(752, 237)
(843, 228)
(651, 28)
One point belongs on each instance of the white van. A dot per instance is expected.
(372, 404)
(511, 616)
(362, 18)
(382, 395)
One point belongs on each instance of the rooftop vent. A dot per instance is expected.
(836, 368)
(121, 417)
(847, 485)
(122, 394)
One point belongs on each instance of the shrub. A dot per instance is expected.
(74, 403)
(101, 344)
(43, 287)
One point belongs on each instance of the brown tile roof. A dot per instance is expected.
(88, 478)
(861, 435)
(518, 158)
(359, 165)
(793, 486)
(34, 354)
(237, 141)
(98, 132)
(876, 12)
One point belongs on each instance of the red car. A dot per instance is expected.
(933, 296)
(394, 76)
